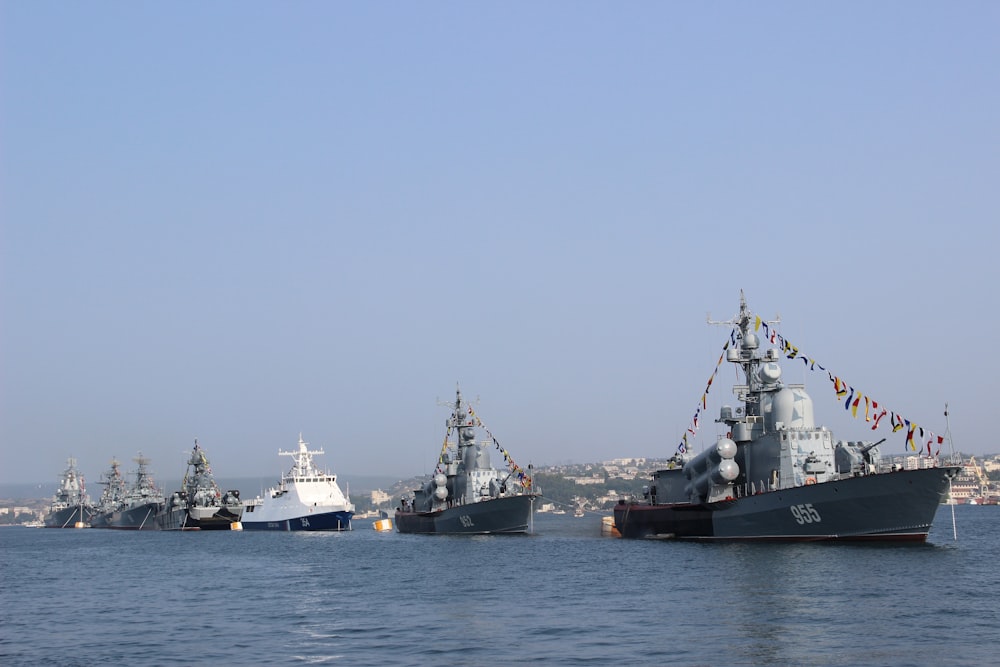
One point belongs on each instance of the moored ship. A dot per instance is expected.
(467, 495)
(305, 498)
(70, 507)
(200, 504)
(142, 502)
(775, 475)
(112, 496)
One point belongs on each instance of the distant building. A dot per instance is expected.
(918, 462)
(623, 463)
(594, 479)
(18, 511)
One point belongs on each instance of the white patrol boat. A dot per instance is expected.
(304, 499)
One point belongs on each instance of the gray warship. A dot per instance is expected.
(200, 504)
(775, 475)
(467, 495)
(70, 507)
(139, 505)
(112, 496)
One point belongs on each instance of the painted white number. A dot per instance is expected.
(465, 520)
(805, 514)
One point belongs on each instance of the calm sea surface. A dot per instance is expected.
(564, 596)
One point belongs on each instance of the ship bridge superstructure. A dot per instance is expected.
(307, 482)
(772, 441)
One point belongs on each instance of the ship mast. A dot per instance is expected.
(744, 353)
(302, 457)
(742, 318)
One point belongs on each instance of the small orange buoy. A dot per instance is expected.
(608, 528)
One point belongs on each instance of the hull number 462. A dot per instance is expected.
(805, 514)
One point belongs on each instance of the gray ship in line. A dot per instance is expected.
(139, 504)
(777, 476)
(70, 507)
(125, 506)
(200, 504)
(467, 495)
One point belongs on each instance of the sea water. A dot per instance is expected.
(563, 596)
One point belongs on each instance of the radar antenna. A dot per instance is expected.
(741, 317)
(458, 394)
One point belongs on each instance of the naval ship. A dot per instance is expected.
(70, 507)
(775, 475)
(467, 495)
(306, 498)
(126, 506)
(200, 504)
(112, 496)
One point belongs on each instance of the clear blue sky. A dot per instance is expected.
(238, 221)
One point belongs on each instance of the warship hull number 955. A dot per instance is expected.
(775, 475)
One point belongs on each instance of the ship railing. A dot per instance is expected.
(753, 488)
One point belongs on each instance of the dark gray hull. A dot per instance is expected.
(339, 520)
(178, 519)
(892, 506)
(142, 517)
(511, 514)
(68, 517)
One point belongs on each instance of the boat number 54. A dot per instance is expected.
(805, 514)
(465, 520)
